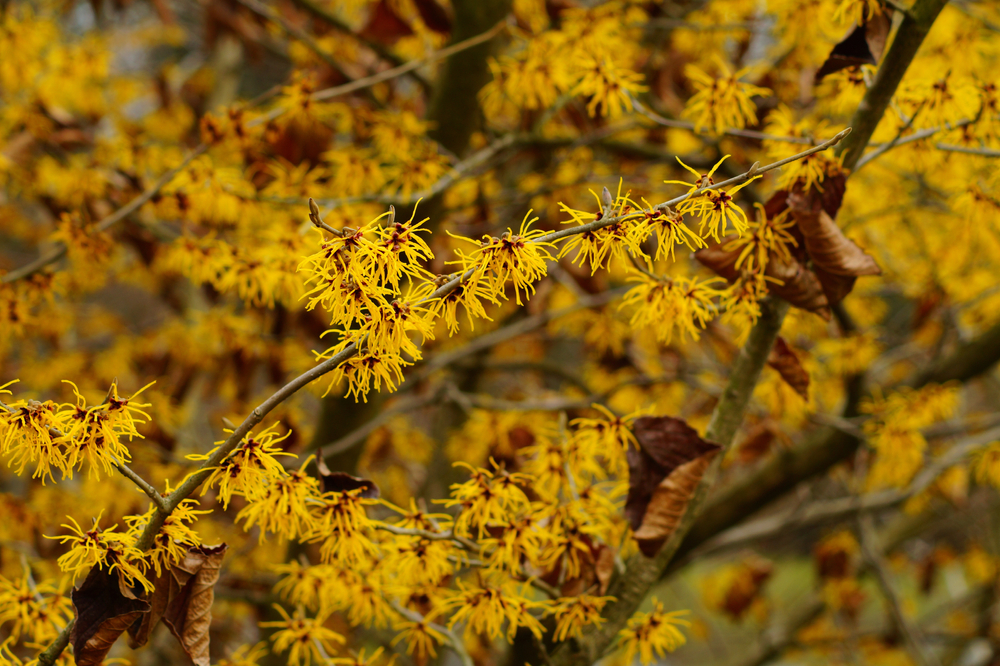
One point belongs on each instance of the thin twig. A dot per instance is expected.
(968, 150)
(920, 135)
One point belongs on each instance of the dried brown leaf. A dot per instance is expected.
(103, 612)
(604, 568)
(663, 475)
(798, 285)
(829, 248)
(341, 482)
(189, 615)
(434, 16)
(862, 46)
(877, 32)
(183, 599)
(787, 363)
(385, 25)
(837, 260)
(757, 441)
(722, 262)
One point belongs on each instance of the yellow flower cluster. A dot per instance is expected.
(894, 431)
(63, 437)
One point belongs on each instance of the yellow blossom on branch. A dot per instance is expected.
(574, 615)
(512, 257)
(652, 634)
(667, 305)
(608, 85)
(721, 103)
(250, 469)
(104, 549)
(305, 638)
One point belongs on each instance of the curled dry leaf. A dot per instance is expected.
(862, 46)
(758, 441)
(104, 608)
(434, 16)
(787, 363)
(826, 244)
(385, 25)
(837, 260)
(663, 475)
(341, 482)
(798, 285)
(183, 598)
(722, 262)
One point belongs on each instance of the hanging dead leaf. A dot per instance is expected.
(434, 16)
(758, 441)
(604, 568)
(384, 25)
(837, 260)
(826, 244)
(785, 361)
(722, 262)
(663, 475)
(183, 599)
(341, 482)
(863, 46)
(104, 608)
(797, 285)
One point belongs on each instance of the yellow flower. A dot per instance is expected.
(248, 470)
(608, 85)
(307, 637)
(666, 305)
(400, 250)
(283, 509)
(486, 607)
(574, 614)
(857, 12)
(600, 245)
(92, 434)
(26, 433)
(670, 230)
(246, 655)
(766, 237)
(338, 519)
(36, 610)
(716, 208)
(420, 637)
(358, 659)
(486, 497)
(721, 103)
(470, 295)
(652, 634)
(366, 371)
(175, 536)
(103, 549)
(519, 258)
